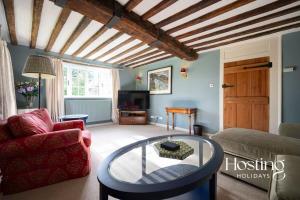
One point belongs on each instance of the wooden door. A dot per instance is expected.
(246, 94)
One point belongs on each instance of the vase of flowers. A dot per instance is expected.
(29, 90)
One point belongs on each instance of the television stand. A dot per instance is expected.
(127, 117)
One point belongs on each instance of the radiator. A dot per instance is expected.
(99, 110)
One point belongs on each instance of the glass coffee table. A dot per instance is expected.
(136, 171)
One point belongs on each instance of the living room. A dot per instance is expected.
(149, 99)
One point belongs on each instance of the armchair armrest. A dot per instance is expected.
(40, 143)
(290, 130)
(68, 125)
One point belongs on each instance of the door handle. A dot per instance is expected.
(227, 86)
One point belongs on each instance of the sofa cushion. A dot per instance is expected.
(253, 144)
(287, 187)
(4, 131)
(45, 117)
(87, 137)
(290, 130)
(32, 124)
(28, 124)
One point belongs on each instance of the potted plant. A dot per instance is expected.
(29, 90)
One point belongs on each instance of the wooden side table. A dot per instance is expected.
(181, 110)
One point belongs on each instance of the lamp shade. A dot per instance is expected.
(36, 64)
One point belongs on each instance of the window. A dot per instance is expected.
(85, 81)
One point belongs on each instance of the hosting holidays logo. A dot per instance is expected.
(257, 169)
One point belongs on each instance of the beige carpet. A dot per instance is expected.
(105, 140)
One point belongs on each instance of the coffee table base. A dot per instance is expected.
(207, 192)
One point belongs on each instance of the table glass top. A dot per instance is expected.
(142, 164)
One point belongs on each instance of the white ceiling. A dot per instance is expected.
(50, 13)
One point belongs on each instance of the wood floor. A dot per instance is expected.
(106, 139)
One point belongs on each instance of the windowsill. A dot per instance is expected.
(88, 98)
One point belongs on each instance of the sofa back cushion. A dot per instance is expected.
(4, 131)
(45, 117)
(36, 122)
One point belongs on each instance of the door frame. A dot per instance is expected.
(267, 46)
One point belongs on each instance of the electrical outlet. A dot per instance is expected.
(211, 85)
(160, 118)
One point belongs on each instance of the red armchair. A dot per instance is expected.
(39, 158)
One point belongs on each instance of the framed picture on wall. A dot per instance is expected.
(160, 80)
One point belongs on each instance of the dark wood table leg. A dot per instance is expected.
(167, 121)
(102, 193)
(190, 124)
(213, 187)
(173, 119)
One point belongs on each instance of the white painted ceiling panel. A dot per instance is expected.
(111, 45)
(120, 50)
(145, 5)
(155, 54)
(66, 31)
(158, 57)
(88, 32)
(242, 21)
(23, 20)
(296, 14)
(4, 28)
(140, 49)
(232, 13)
(246, 35)
(49, 17)
(108, 34)
(171, 10)
(130, 53)
(198, 14)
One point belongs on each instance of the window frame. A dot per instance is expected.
(70, 66)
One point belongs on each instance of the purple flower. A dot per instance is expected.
(21, 91)
(30, 89)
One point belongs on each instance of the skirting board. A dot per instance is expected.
(177, 128)
(99, 124)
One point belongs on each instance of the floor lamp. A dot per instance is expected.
(40, 67)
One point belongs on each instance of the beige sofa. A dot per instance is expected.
(244, 148)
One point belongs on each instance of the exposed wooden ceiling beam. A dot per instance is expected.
(250, 31)
(146, 59)
(156, 9)
(134, 55)
(248, 23)
(188, 11)
(36, 18)
(104, 44)
(10, 18)
(210, 15)
(132, 24)
(140, 57)
(131, 4)
(153, 61)
(297, 25)
(131, 39)
(126, 51)
(65, 13)
(78, 30)
(261, 10)
(90, 40)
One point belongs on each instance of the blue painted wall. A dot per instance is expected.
(291, 80)
(19, 55)
(191, 92)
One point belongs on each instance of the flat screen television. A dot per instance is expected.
(133, 100)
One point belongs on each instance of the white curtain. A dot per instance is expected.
(116, 88)
(8, 105)
(55, 91)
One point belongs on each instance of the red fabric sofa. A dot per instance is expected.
(35, 152)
